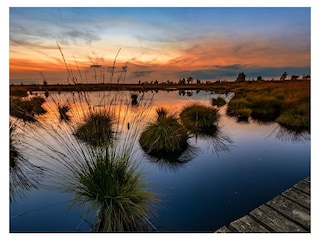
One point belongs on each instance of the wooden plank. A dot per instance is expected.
(303, 186)
(223, 229)
(246, 224)
(288, 212)
(291, 210)
(274, 221)
(298, 197)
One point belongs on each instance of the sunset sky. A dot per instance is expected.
(208, 43)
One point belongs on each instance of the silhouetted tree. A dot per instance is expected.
(189, 80)
(241, 77)
(259, 78)
(284, 76)
(306, 77)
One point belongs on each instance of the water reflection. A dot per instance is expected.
(134, 101)
(163, 144)
(27, 109)
(172, 161)
(103, 174)
(63, 111)
(286, 134)
(215, 140)
(85, 170)
(24, 175)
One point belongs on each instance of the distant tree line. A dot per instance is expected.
(242, 77)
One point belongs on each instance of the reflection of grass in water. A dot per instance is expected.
(164, 136)
(63, 111)
(202, 122)
(199, 118)
(96, 129)
(286, 134)
(172, 161)
(27, 109)
(24, 175)
(219, 102)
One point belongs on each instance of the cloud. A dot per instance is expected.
(137, 74)
(232, 66)
(230, 72)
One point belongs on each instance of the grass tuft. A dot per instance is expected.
(219, 102)
(166, 135)
(198, 118)
(96, 129)
(27, 109)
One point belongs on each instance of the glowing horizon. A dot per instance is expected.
(160, 43)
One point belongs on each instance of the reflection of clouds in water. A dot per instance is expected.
(290, 135)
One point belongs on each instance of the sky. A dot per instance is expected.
(157, 43)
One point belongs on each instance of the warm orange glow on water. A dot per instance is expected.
(119, 104)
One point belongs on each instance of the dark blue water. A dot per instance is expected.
(224, 179)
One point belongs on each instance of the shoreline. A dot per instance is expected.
(221, 87)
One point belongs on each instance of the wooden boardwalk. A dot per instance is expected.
(288, 212)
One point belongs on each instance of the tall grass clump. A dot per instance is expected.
(239, 107)
(165, 135)
(103, 177)
(296, 118)
(115, 187)
(198, 118)
(287, 103)
(96, 129)
(265, 108)
(219, 102)
(296, 109)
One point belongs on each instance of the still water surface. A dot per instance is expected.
(222, 179)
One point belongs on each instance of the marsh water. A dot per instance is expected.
(221, 179)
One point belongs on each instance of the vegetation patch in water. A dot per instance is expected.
(165, 136)
(198, 118)
(96, 129)
(219, 102)
(27, 109)
(63, 112)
